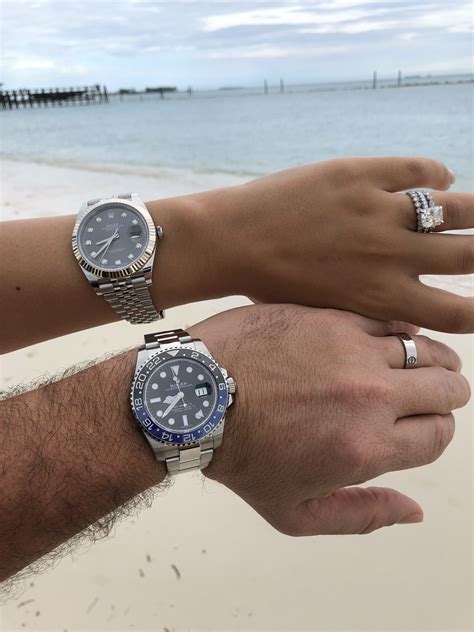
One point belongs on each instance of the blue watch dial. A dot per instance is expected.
(179, 396)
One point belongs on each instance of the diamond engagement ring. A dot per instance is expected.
(411, 355)
(428, 214)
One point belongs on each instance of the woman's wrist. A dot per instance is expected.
(194, 260)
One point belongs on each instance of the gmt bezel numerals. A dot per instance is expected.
(125, 269)
(152, 426)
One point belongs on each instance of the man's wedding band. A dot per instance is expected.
(411, 355)
(428, 214)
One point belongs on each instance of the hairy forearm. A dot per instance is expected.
(71, 455)
(44, 294)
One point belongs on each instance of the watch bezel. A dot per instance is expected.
(136, 265)
(151, 426)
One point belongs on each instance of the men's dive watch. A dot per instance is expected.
(114, 241)
(179, 398)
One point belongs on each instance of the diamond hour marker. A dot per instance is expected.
(118, 262)
(138, 246)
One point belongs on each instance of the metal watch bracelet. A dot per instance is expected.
(184, 458)
(130, 296)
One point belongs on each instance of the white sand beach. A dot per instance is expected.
(200, 558)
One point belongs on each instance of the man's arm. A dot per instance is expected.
(300, 430)
(332, 234)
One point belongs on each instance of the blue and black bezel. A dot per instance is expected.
(151, 425)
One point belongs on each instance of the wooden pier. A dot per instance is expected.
(86, 95)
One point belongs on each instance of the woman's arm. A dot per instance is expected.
(330, 234)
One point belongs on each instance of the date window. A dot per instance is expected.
(203, 389)
(135, 231)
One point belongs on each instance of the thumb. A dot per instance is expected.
(357, 510)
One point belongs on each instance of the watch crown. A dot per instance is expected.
(231, 385)
(159, 232)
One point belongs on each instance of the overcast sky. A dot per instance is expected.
(210, 44)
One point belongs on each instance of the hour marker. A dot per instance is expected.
(163, 374)
(189, 369)
(90, 229)
(199, 414)
(159, 413)
(171, 421)
(110, 215)
(93, 254)
(98, 219)
(105, 260)
(124, 214)
(205, 403)
(88, 242)
(118, 262)
(138, 245)
(130, 256)
(200, 376)
(155, 400)
(175, 369)
(135, 221)
(185, 420)
(154, 386)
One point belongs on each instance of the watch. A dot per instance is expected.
(179, 398)
(114, 241)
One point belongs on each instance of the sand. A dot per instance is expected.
(200, 558)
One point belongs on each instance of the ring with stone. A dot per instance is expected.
(411, 355)
(428, 214)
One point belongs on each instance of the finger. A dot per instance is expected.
(355, 510)
(381, 327)
(443, 254)
(438, 309)
(429, 391)
(429, 353)
(398, 173)
(421, 439)
(458, 210)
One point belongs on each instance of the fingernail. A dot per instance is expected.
(411, 518)
(453, 177)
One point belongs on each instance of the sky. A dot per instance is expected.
(139, 43)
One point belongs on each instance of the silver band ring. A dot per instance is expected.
(411, 355)
(428, 214)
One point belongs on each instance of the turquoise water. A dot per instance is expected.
(247, 132)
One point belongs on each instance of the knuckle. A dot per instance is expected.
(455, 210)
(460, 318)
(466, 258)
(443, 432)
(419, 168)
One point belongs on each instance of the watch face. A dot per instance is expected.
(112, 236)
(179, 396)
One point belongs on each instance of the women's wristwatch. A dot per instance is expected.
(114, 241)
(179, 398)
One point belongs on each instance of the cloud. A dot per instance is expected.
(277, 52)
(31, 64)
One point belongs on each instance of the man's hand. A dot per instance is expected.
(324, 404)
(321, 404)
(337, 234)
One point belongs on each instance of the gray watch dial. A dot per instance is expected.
(180, 394)
(112, 236)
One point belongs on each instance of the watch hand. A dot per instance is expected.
(102, 241)
(106, 245)
(173, 403)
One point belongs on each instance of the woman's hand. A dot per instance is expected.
(338, 234)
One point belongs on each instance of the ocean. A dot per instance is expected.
(245, 132)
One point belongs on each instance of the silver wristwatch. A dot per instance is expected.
(114, 241)
(179, 398)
